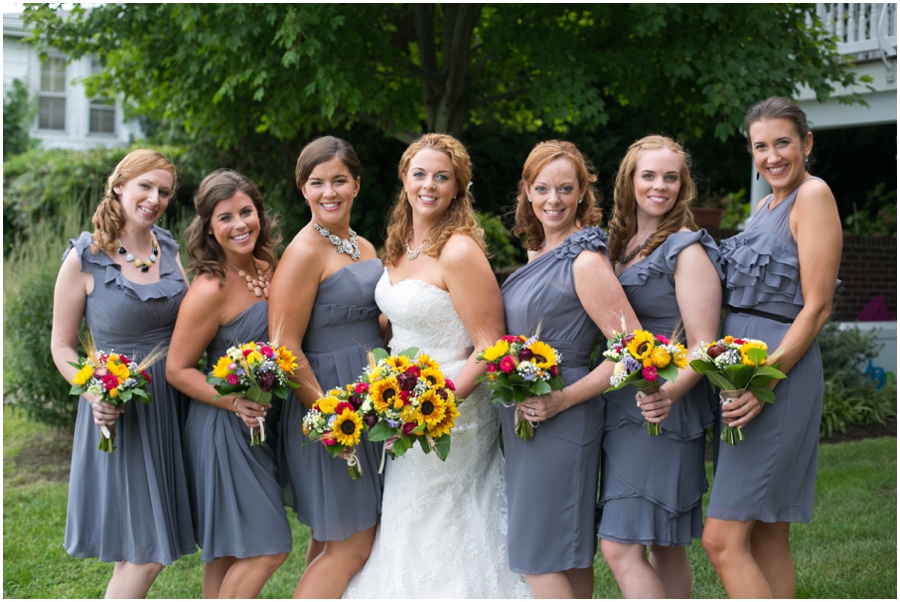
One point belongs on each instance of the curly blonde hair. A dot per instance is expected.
(587, 212)
(623, 224)
(460, 215)
(108, 217)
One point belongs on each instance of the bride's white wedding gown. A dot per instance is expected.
(443, 524)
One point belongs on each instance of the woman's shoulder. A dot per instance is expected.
(460, 247)
(589, 238)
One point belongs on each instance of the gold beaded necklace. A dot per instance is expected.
(259, 286)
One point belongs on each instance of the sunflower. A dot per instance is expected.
(382, 392)
(398, 362)
(328, 404)
(641, 345)
(431, 408)
(543, 355)
(220, 370)
(660, 357)
(83, 375)
(286, 360)
(496, 351)
(747, 346)
(347, 428)
(434, 377)
(451, 413)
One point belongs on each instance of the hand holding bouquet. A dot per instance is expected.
(642, 359)
(519, 367)
(737, 366)
(256, 371)
(405, 398)
(335, 419)
(114, 379)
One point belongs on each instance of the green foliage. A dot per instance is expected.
(18, 114)
(877, 216)
(501, 252)
(851, 396)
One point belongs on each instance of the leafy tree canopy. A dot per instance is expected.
(229, 72)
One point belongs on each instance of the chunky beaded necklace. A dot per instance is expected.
(142, 264)
(410, 254)
(623, 258)
(348, 246)
(259, 286)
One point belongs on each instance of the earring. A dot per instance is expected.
(529, 199)
(757, 175)
(806, 163)
(579, 200)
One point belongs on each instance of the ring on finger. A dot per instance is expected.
(533, 413)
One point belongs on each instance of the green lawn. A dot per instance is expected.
(848, 551)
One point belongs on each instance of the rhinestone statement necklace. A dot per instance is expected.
(346, 246)
(410, 254)
(142, 264)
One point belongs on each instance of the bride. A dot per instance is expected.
(443, 524)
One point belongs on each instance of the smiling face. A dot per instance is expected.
(145, 197)
(330, 190)
(235, 224)
(657, 182)
(430, 184)
(779, 153)
(554, 196)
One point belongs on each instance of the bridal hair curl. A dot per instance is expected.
(109, 220)
(587, 213)
(623, 223)
(205, 253)
(459, 218)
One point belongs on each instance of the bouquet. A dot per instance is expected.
(519, 367)
(737, 366)
(256, 371)
(643, 358)
(114, 378)
(405, 398)
(335, 419)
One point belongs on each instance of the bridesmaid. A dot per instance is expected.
(780, 276)
(569, 288)
(240, 521)
(651, 487)
(325, 290)
(131, 506)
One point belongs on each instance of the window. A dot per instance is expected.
(52, 97)
(102, 115)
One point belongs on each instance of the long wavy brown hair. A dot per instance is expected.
(205, 253)
(108, 217)
(460, 215)
(623, 224)
(587, 213)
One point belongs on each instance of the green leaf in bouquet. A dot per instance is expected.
(400, 446)
(770, 372)
(501, 396)
(424, 445)
(334, 450)
(77, 390)
(556, 383)
(410, 353)
(738, 374)
(519, 395)
(670, 372)
(380, 354)
(143, 395)
(418, 429)
(125, 395)
(757, 355)
(380, 432)
(540, 387)
(442, 447)
(764, 393)
(257, 395)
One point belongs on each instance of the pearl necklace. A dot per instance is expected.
(623, 258)
(410, 254)
(346, 246)
(142, 264)
(260, 286)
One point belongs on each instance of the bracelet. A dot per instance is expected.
(234, 405)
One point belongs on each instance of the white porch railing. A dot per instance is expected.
(867, 30)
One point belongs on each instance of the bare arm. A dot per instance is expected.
(476, 297)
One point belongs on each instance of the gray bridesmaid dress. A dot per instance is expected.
(551, 480)
(343, 327)
(651, 487)
(771, 475)
(236, 497)
(132, 504)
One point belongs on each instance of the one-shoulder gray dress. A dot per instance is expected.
(771, 475)
(651, 487)
(238, 510)
(551, 480)
(343, 327)
(132, 504)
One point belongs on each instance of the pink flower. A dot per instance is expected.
(361, 388)
(649, 374)
(739, 341)
(404, 395)
(247, 352)
(408, 427)
(511, 339)
(146, 375)
(110, 381)
(663, 339)
(124, 359)
(329, 441)
(414, 370)
(232, 379)
(491, 368)
(452, 387)
(266, 351)
(343, 406)
(507, 364)
(554, 370)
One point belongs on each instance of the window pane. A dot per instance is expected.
(53, 75)
(52, 114)
(103, 120)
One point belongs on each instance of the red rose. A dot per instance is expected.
(124, 360)
(507, 364)
(739, 341)
(247, 352)
(715, 351)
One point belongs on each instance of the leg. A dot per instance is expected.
(329, 573)
(674, 570)
(213, 574)
(634, 574)
(771, 547)
(582, 581)
(247, 576)
(132, 580)
(727, 544)
(315, 548)
(550, 585)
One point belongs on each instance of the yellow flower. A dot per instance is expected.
(375, 374)
(543, 355)
(425, 361)
(647, 362)
(383, 392)
(747, 346)
(726, 340)
(641, 345)
(286, 360)
(113, 393)
(660, 357)
(408, 414)
(433, 376)
(328, 404)
(496, 351)
(347, 428)
(451, 413)
(117, 368)
(431, 408)
(83, 375)
(220, 370)
(398, 362)
(255, 358)
(680, 356)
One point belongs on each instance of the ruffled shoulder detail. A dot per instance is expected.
(664, 258)
(82, 246)
(590, 238)
(760, 266)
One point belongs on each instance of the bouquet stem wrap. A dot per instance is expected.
(731, 435)
(524, 428)
(652, 427)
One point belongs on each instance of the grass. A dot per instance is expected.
(849, 550)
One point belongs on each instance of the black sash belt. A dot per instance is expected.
(761, 314)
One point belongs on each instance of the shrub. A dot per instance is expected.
(501, 252)
(18, 113)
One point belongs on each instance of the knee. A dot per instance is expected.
(149, 570)
(716, 547)
(276, 560)
(614, 553)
